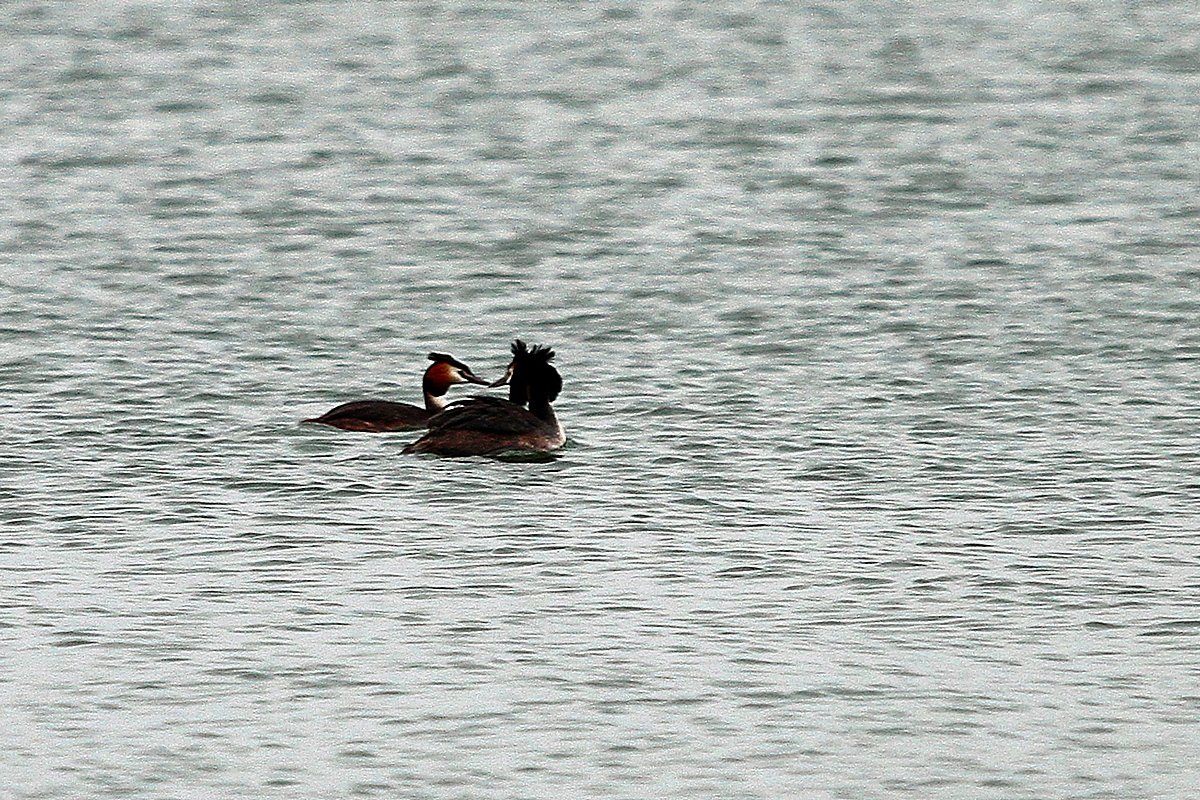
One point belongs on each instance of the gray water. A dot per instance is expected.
(879, 329)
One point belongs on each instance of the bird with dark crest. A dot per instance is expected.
(490, 426)
(378, 416)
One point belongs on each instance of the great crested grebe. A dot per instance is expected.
(377, 416)
(479, 426)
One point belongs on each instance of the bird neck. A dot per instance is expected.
(539, 405)
(435, 391)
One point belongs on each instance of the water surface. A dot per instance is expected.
(878, 323)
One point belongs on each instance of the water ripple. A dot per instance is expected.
(878, 334)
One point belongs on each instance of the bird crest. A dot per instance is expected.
(532, 353)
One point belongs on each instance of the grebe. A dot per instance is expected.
(377, 416)
(479, 426)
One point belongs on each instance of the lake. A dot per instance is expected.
(879, 325)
